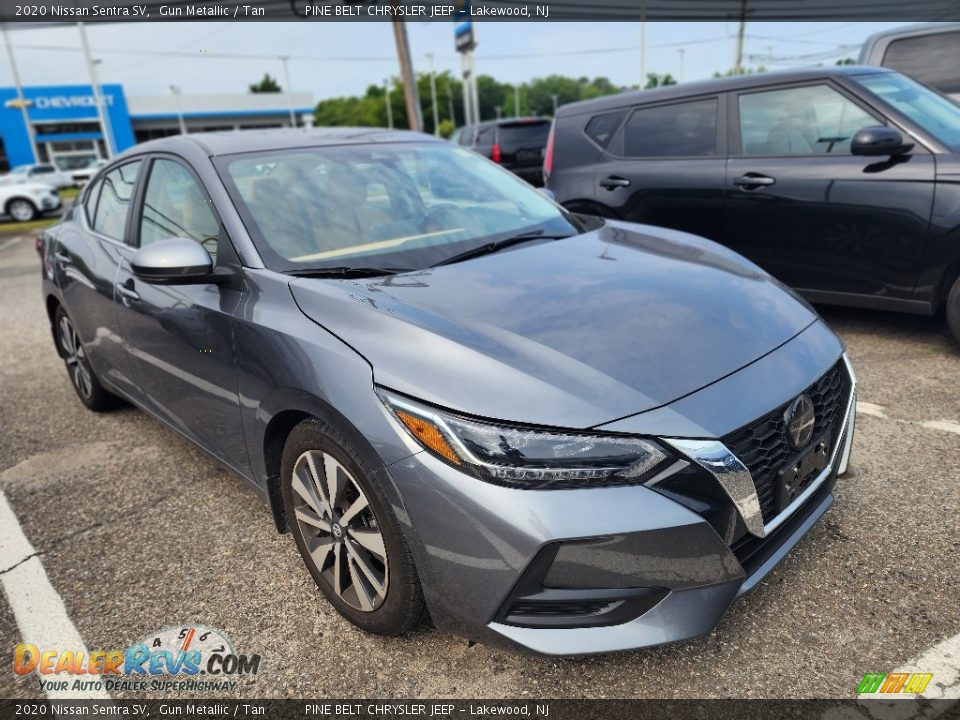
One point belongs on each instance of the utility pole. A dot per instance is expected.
(97, 95)
(287, 91)
(414, 117)
(175, 89)
(516, 100)
(681, 53)
(738, 66)
(433, 96)
(643, 44)
(386, 86)
(21, 101)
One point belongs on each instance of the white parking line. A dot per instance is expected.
(12, 241)
(866, 408)
(945, 425)
(38, 609)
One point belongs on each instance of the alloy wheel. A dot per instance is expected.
(340, 530)
(76, 358)
(21, 211)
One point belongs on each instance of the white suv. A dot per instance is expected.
(25, 201)
(45, 173)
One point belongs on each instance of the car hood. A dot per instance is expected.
(569, 333)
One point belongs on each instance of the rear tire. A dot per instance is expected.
(352, 545)
(21, 210)
(953, 309)
(82, 377)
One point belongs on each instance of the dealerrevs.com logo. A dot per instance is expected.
(891, 683)
(187, 658)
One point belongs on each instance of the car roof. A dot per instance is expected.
(714, 85)
(241, 141)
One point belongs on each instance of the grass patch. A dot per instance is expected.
(16, 228)
(68, 193)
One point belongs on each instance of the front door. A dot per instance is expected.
(801, 206)
(181, 337)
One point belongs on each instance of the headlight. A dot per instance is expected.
(527, 458)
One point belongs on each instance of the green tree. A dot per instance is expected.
(846, 61)
(267, 85)
(654, 80)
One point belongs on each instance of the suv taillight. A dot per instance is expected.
(548, 153)
(496, 157)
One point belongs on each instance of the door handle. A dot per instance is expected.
(128, 292)
(613, 182)
(753, 180)
(62, 258)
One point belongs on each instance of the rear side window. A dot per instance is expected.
(90, 205)
(116, 193)
(485, 136)
(526, 135)
(602, 127)
(932, 59)
(682, 130)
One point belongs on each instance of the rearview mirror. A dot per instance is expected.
(880, 140)
(177, 261)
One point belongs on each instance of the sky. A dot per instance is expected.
(335, 59)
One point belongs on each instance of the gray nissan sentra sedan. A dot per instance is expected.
(555, 433)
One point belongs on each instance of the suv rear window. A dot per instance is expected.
(932, 59)
(687, 129)
(522, 135)
(602, 127)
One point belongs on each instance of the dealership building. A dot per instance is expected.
(67, 130)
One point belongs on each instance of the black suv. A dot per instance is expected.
(843, 182)
(516, 143)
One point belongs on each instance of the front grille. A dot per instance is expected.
(763, 446)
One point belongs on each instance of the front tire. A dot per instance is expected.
(953, 309)
(82, 377)
(21, 210)
(346, 532)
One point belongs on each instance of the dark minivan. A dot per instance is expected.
(515, 143)
(843, 182)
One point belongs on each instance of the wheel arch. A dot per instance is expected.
(287, 409)
(25, 198)
(52, 303)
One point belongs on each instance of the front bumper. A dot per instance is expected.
(584, 571)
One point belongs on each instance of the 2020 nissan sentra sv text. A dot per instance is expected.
(560, 434)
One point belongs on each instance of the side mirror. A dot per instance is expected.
(177, 261)
(880, 140)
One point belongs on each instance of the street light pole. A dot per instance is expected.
(386, 86)
(681, 52)
(175, 89)
(97, 95)
(555, 97)
(287, 90)
(516, 100)
(433, 96)
(20, 99)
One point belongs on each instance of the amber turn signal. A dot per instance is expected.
(428, 434)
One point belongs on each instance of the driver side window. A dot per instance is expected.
(175, 205)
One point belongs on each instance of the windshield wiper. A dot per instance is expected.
(344, 271)
(498, 245)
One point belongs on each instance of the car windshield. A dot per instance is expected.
(391, 205)
(933, 112)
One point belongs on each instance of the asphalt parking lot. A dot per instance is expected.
(138, 531)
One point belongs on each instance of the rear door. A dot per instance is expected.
(665, 166)
(808, 211)
(181, 337)
(522, 143)
(88, 255)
